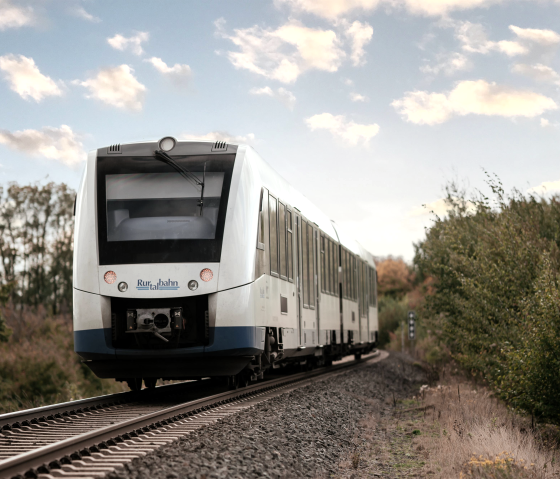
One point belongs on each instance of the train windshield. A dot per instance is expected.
(162, 206)
(148, 212)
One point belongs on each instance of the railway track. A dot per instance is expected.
(92, 437)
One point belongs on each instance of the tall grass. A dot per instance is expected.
(38, 365)
(474, 434)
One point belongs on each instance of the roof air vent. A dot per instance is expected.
(114, 150)
(220, 146)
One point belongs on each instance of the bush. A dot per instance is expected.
(494, 263)
(38, 365)
(391, 312)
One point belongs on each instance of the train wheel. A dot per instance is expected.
(233, 381)
(150, 382)
(358, 356)
(135, 384)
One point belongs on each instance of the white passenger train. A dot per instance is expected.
(196, 259)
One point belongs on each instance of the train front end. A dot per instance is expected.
(149, 235)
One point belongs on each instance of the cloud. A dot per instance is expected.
(26, 79)
(179, 74)
(134, 43)
(15, 17)
(474, 40)
(545, 123)
(350, 132)
(545, 187)
(542, 37)
(528, 40)
(285, 53)
(440, 208)
(358, 97)
(332, 9)
(286, 97)
(80, 12)
(471, 97)
(221, 136)
(360, 35)
(60, 144)
(448, 64)
(538, 72)
(117, 87)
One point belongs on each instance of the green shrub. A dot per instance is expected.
(391, 312)
(494, 263)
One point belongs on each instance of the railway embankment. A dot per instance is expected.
(308, 432)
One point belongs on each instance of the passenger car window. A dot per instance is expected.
(282, 238)
(272, 217)
(290, 244)
(304, 266)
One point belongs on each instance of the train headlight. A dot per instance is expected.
(122, 287)
(193, 285)
(167, 143)
(206, 275)
(110, 277)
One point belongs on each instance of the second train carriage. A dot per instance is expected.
(197, 259)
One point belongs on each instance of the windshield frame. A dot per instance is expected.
(160, 250)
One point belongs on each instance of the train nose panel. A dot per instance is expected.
(167, 280)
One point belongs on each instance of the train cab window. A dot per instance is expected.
(273, 218)
(290, 244)
(304, 265)
(311, 246)
(161, 206)
(282, 238)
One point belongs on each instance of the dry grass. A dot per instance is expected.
(38, 365)
(469, 433)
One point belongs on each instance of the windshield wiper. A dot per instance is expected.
(185, 173)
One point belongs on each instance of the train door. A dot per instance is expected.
(298, 273)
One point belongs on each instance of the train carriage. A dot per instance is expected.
(197, 259)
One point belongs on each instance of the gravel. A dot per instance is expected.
(303, 433)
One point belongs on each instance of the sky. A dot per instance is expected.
(369, 107)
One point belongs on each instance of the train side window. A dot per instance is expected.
(374, 287)
(272, 217)
(311, 242)
(260, 234)
(323, 264)
(344, 271)
(364, 290)
(334, 274)
(327, 265)
(290, 244)
(304, 265)
(282, 238)
(354, 279)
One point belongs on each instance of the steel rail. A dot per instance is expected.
(30, 463)
(16, 418)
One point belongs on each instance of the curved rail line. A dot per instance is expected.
(121, 432)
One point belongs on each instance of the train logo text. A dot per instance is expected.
(161, 285)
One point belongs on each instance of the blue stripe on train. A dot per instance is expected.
(233, 340)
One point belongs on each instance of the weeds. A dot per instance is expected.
(38, 365)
